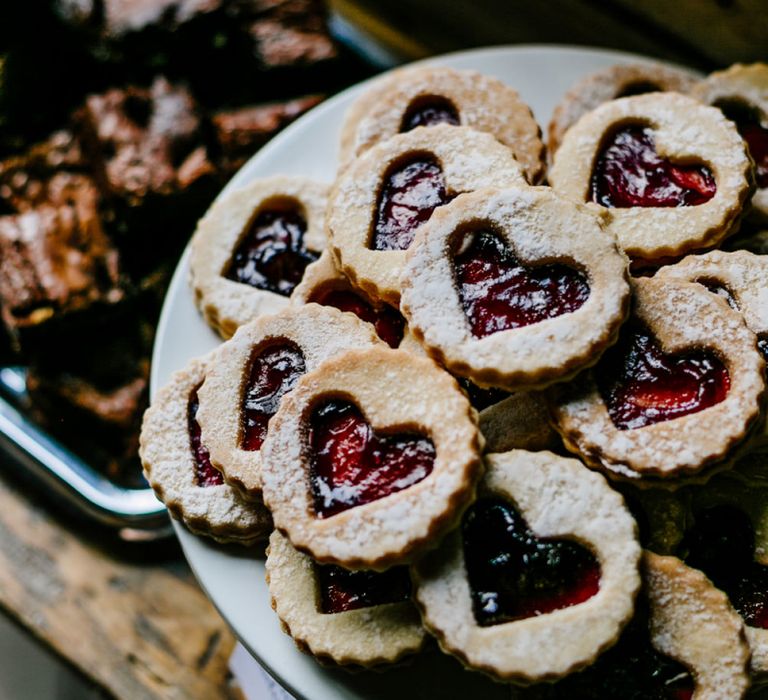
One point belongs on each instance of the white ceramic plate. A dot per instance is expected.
(234, 577)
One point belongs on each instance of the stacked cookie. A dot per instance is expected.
(411, 354)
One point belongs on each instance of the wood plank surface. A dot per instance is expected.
(138, 625)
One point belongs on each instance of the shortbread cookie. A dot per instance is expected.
(678, 392)
(250, 250)
(324, 284)
(610, 84)
(541, 576)
(672, 175)
(514, 288)
(382, 199)
(430, 95)
(177, 466)
(371, 459)
(254, 370)
(359, 618)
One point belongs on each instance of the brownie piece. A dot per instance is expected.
(241, 132)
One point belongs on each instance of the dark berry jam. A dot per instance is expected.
(629, 173)
(271, 255)
(513, 574)
(429, 111)
(273, 373)
(205, 473)
(762, 345)
(754, 132)
(388, 322)
(482, 398)
(641, 385)
(498, 292)
(352, 465)
(630, 670)
(410, 193)
(342, 590)
(722, 544)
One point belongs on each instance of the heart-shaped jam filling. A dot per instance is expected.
(409, 195)
(722, 544)
(631, 670)
(481, 398)
(429, 111)
(751, 128)
(513, 574)
(271, 255)
(351, 465)
(498, 292)
(205, 473)
(641, 385)
(274, 371)
(388, 322)
(630, 173)
(342, 590)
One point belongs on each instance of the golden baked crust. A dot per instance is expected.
(520, 421)
(227, 304)
(469, 160)
(320, 332)
(609, 84)
(683, 130)
(557, 497)
(169, 466)
(540, 227)
(482, 103)
(681, 316)
(390, 388)
(368, 637)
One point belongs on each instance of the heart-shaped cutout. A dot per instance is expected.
(513, 574)
(351, 465)
(273, 372)
(388, 322)
(751, 128)
(642, 385)
(722, 545)
(429, 111)
(498, 292)
(409, 195)
(205, 473)
(629, 172)
(272, 255)
(342, 590)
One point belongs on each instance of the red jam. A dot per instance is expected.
(352, 465)
(205, 473)
(388, 322)
(629, 173)
(498, 292)
(342, 590)
(722, 544)
(630, 670)
(411, 192)
(752, 130)
(271, 255)
(274, 372)
(641, 385)
(429, 111)
(513, 574)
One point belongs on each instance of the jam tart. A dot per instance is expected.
(672, 175)
(324, 284)
(361, 471)
(379, 203)
(678, 392)
(251, 249)
(741, 93)
(514, 288)
(540, 577)
(428, 96)
(254, 370)
(177, 466)
(358, 618)
(685, 643)
(610, 84)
